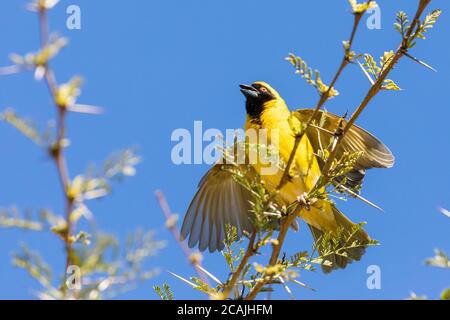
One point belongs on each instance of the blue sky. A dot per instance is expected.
(156, 66)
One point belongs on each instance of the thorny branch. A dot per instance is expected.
(57, 150)
(346, 59)
(106, 269)
(375, 88)
(285, 177)
(373, 91)
(323, 98)
(237, 273)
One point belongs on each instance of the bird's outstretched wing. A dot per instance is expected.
(220, 200)
(374, 153)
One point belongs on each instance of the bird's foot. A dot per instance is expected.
(303, 200)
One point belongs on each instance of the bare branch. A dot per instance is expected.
(194, 258)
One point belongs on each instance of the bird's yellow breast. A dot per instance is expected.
(305, 170)
(275, 119)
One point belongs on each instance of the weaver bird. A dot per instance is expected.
(221, 200)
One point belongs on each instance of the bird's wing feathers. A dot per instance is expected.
(375, 153)
(220, 200)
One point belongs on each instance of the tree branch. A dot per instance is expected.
(284, 179)
(324, 179)
(171, 225)
(274, 256)
(374, 89)
(323, 98)
(57, 150)
(237, 273)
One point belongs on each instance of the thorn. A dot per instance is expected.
(209, 274)
(357, 196)
(366, 73)
(10, 70)
(184, 280)
(420, 62)
(322, 129)
(286, 288)
(85, 108)
(445, 212)
(302, 284)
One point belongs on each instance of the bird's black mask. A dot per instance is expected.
(256, 95)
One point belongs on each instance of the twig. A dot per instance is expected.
(171, 225)
(323, 98)
(57, 150)
(274, 256)
(285, 177)
(374, 89)
(345, 61)
(324, 179)
(237, 273)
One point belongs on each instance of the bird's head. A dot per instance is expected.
(258, 95)
(259, 92)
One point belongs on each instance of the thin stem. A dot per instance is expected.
(57, 151)
(323, 98)
(373, 91)
(284, 179)
(274, 256)
(43, 25)
(345, 61)
(237, 273)
(176, 234)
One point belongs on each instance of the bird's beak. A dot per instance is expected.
(249, 91)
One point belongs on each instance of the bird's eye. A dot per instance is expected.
(263, 90)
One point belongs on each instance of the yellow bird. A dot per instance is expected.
(221, 200)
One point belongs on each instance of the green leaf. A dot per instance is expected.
(312, 77)
(33, 263)
(26, 127)
(389, 84)
(440, 260)
(371, 65)
(13, 219)
(165, 293)
(401, 24)
(359, 8)
(423, 28)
